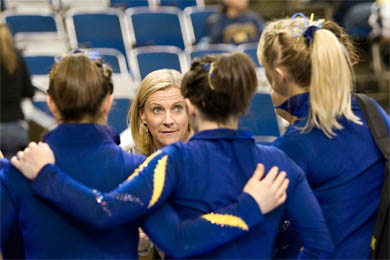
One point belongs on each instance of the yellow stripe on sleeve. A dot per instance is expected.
(226, 220)
(158, 180)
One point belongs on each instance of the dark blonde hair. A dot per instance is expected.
(153, 82)
(8, 57)
(220, 86)
(323, 67)
(78, 86)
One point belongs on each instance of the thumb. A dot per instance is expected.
(259, 172)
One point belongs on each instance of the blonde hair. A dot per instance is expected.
(153, 82)
(323, 67)
(8, 57)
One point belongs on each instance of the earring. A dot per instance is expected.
(146, 128)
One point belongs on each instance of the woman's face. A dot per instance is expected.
(237, 4)
(165, 115)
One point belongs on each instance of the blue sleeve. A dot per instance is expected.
(181, 239)
(308, 221)
(149, 185)
(8, 212)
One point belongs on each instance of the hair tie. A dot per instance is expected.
(209, 67)
(308, 31)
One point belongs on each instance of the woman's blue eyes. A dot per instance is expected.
(158, 110)
(178, 108)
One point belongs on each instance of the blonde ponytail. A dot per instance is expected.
(331, 84)
(7, 50)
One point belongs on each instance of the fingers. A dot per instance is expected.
(259, 172)
(282, 199)
(15, 162)
(32, 144)
(282, 189)
(20, 155)
(279, 179)
(270, 177)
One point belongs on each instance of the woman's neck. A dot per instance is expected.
(230, 123)
(87, 120)
(233, 13)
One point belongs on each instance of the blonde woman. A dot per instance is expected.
(157, 114)
(309, 66)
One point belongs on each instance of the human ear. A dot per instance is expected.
(142, 116)
(190, 108)
(52, 107)
(107, 104)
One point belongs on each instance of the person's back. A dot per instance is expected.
(49, 233)
(220, 163)
(309, 64)
(89, 151)
(349, 182)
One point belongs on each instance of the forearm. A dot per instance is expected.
(130, 200)
(184, 238)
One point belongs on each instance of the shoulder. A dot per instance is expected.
(175, 150)
(273, 156)
(295, 145)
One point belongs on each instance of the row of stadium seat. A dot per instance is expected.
(143, 60)
(108, 28)
(60, 5)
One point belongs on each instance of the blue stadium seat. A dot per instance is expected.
(124, 4)
(114, 58)
(39, 64)
(201, 51)
(103, 28)
(197, 19)
(181, 4)
(117, 118)
(37, 30)
(144, 60)
(42, 105)
(251, 50)
(260, 119)
(33, 22)
(161, 26)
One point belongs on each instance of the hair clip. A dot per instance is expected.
(308, 31)
(206, 67)
(211, 75)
